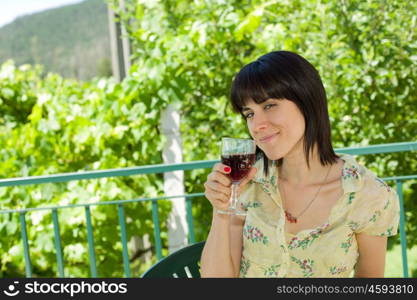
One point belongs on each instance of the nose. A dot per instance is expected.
(259, 122)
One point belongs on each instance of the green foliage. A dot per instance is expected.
(187, 53)
(75, 126)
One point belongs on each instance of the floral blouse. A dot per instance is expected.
(368, 205)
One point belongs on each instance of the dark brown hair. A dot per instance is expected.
(287, 75)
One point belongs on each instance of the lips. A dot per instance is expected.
(268, 137)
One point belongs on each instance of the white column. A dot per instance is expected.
(174, 181)
(119, 44)
(114, 45)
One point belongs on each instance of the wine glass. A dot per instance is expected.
(239, 155)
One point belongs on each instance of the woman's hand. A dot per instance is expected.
(218, 186)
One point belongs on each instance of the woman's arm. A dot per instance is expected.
(372, 250)
(223, 248)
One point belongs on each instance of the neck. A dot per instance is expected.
(294, 169)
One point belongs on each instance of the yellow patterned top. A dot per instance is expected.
(368, 205)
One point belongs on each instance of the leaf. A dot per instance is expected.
(249, 24)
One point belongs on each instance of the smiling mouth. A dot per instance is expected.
(268, 138)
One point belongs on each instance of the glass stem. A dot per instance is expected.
(235, 186)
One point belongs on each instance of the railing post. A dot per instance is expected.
(191, 236)
(157, 233)
(403, 237)
(58, 249)
(122, 223)
(90, 238)
(28, 264)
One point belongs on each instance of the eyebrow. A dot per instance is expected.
(245, 108)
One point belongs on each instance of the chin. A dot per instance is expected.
(273, 156)
(276, 157)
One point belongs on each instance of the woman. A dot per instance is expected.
(310, 212)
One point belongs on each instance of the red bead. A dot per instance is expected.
(290, 217)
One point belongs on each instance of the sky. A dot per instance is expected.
(10, 9)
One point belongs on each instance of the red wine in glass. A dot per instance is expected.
(239, 155)
(240, 165)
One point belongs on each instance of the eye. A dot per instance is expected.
(248, 115)
(268, 106)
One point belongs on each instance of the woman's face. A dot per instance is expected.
(277, 126)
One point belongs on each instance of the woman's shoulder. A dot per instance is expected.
(369, 188)
(373, 185)
(359, 176)
(374, 205)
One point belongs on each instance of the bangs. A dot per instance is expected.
(259, 82)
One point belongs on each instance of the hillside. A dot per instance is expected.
(72, 40)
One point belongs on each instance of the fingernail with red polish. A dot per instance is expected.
(227, 169)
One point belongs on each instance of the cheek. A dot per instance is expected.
(300, 128)
(296, 131)
(295, 127)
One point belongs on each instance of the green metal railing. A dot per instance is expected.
(385, 148)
